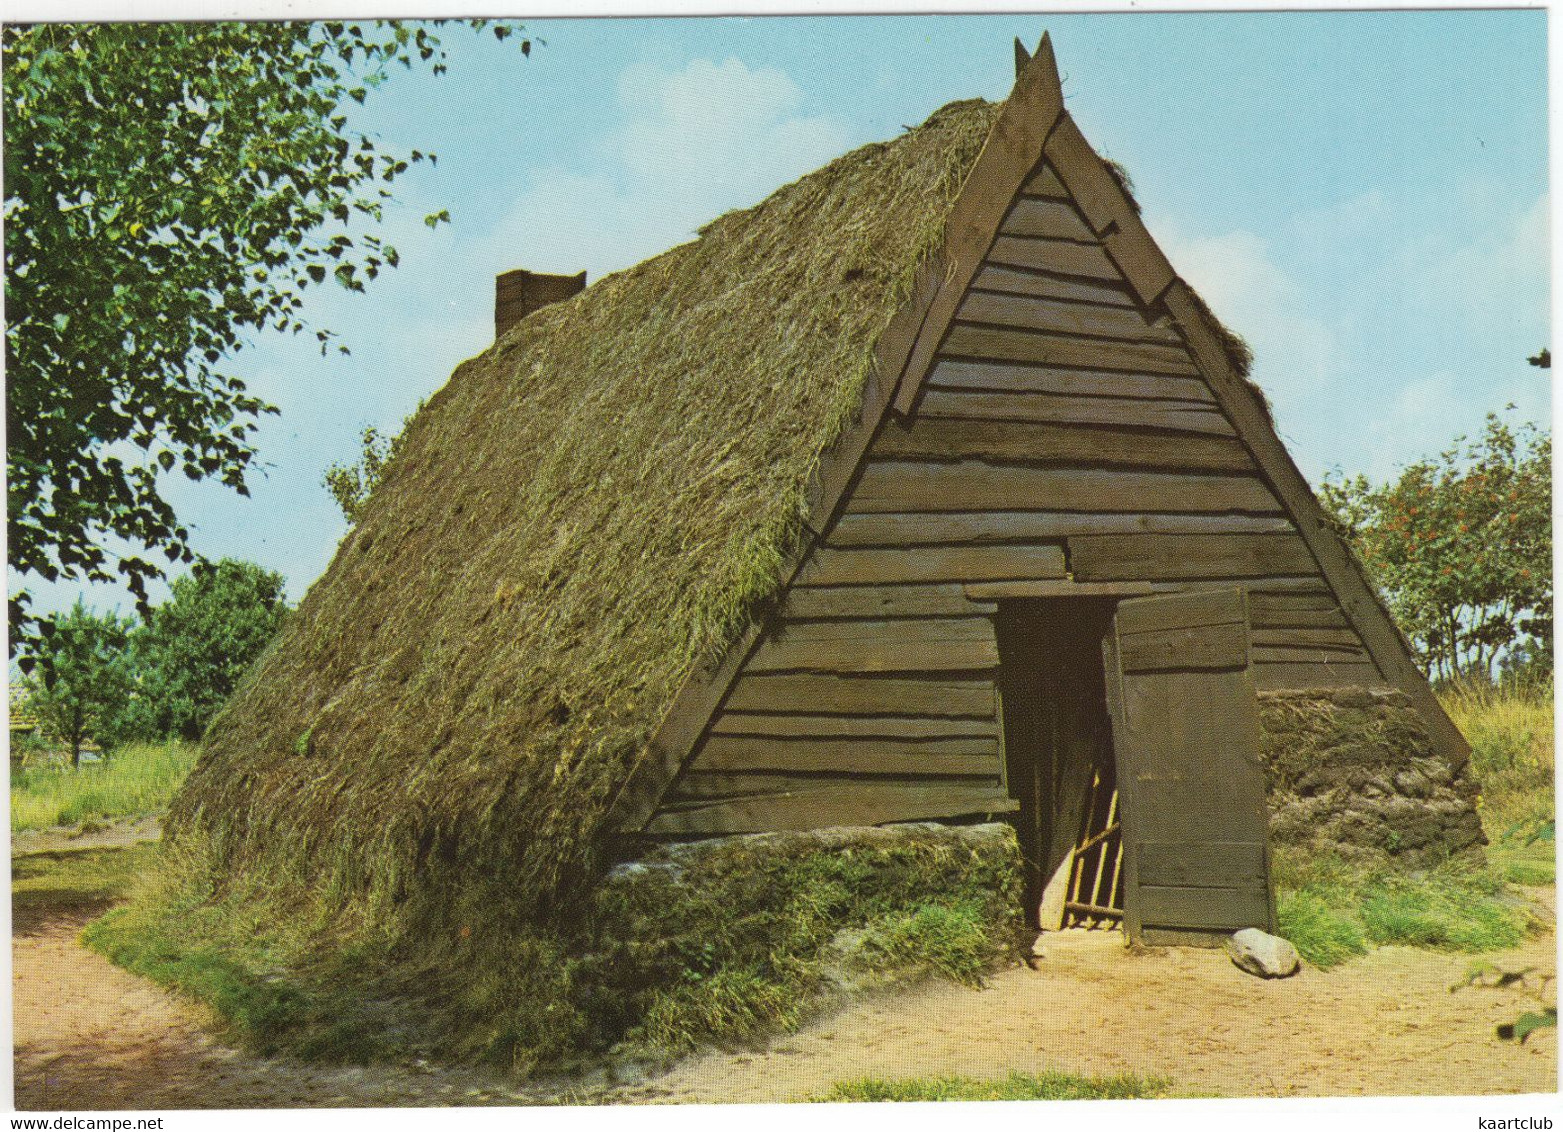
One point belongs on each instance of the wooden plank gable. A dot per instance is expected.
(1048, 411)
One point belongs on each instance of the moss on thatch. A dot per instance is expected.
(583, 514)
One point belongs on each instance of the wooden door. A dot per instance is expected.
(1186, 740)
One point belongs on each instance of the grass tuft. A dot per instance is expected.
(1333, 909)
(135, 781)
(1048, 1086)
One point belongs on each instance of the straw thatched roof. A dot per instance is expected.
(583, 514)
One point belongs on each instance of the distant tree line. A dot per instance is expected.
(1461, 546)
(113, 680)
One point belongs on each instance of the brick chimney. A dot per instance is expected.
(519, 293)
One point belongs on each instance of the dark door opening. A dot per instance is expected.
(1058, 753)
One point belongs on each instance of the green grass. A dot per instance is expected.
(1332, 909)
(79, 876)
(1049, 1086)
(135, 781)
(1510, 729)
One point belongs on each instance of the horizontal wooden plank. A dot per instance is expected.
(946, 600)
(1162, 557)
(873, 656)
(930, 697)
(1284, 654)
(1273, 677)
(732, 753)
(799, 726)
(696, 786)
(894, 486)
(1119, 413)
(1222, 605)
(999, 591)
(1301, 619)
(1027, 313)
(1314, 611)
(1045, 183)
(1220, 864)
(1084, 260)
(1001, 441)
(1012, 377)
(830, 567)
(1046, 285)
(1047, 219)
(1015, 526)
(1301, 636)
(1218, 909)
(1200, 647)
(910, 630)
(968, 340)
(838, 805)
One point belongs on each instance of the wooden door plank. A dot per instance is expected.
(1202, 864)
(1202, 646)
(927, 697)
(1026, 313)
(1165, 557)
(1103, 412)
(831, 567)
(999, 279)
(845, 805)
(1048, 218)
(937, 600)
(975, 486)
(968, 340)
(1077, 445)
(1230, 908)
(1008, 377)
(799, 726)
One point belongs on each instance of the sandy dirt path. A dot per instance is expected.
(1385, 1024)
(90, 1036)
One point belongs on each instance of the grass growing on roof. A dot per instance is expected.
(580, 517)
(723, 944)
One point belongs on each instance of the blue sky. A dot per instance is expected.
(1362, 195)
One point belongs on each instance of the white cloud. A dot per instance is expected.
(1501, 280)
(1235, 273)
(694, 143)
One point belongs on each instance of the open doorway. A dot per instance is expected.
(1058, 753)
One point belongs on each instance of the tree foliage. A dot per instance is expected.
(1462, 547)
(84, 682)
(170, 189)
(193, 650)
(351, 485)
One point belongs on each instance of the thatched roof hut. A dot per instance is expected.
(760, 533)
